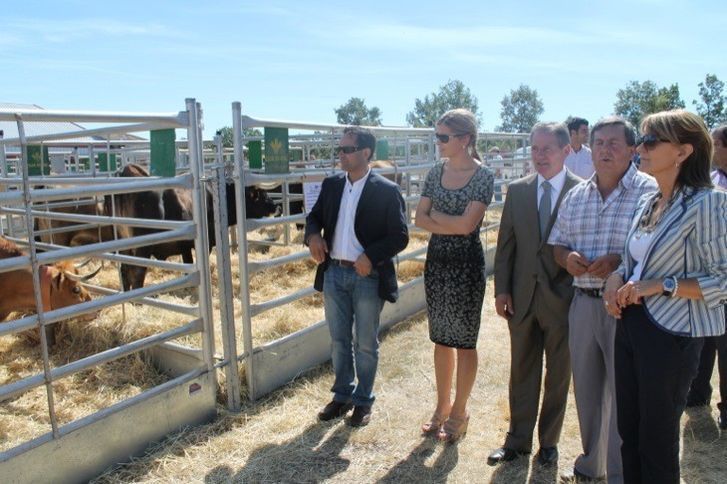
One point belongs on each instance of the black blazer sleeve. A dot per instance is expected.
(397, 231)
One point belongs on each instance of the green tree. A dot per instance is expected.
(356, 112)
(521, 109)
(639, 99)
(713, 107)
(226, 134)
(452, 95)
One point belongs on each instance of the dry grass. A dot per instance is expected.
(279, 440)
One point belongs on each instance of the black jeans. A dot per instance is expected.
(653, 372)
(701, 391)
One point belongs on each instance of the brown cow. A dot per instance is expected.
(75, 237)
(59, 284)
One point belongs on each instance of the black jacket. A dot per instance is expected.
(380, 226)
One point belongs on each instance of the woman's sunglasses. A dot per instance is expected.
(347, 149)
(649, 141)
(444, 138)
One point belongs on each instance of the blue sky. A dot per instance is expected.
(300, 60)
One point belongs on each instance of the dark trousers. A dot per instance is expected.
(653, 372)
(701, 391)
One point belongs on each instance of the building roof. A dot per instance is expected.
(39, 128)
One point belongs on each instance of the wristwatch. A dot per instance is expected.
(669, 286)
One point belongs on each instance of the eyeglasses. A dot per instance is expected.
(649, 141)
(347, 149)
(444, 138)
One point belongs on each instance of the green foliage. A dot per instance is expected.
(355, 112)
(521, 109)
(452, 95)
(226, 134)
(637, 100)
(713, 107)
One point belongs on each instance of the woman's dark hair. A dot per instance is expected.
(682, 127)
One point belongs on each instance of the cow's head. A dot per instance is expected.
(258, 203)
(66, 287)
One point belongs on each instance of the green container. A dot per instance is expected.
(277, 154)
(255, 154)
(36, 163)
(163, 152)
(382, 150)
(103, 163)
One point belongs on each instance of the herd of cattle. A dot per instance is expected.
(60, 283)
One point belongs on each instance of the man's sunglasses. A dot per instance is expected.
(649, 141)
(444, 138)
(347, 149)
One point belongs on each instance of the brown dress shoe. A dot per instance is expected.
(361, 416)
(333, 410)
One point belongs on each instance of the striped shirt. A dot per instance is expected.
(595, 227)
(689, 242)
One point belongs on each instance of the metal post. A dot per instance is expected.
(3, 174)
(242, 249)
(201, 248)
(35, 267)
(224, 274)
(286, 211)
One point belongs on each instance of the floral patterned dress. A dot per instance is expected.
(454, 273)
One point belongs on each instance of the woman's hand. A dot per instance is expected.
(633, 291)
(610, 291)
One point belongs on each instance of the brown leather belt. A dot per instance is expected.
(594, 293)
(342, 263)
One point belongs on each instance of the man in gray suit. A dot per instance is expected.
(533, 293)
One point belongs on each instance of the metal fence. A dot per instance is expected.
(19, 203)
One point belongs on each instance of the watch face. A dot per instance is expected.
(669, 285)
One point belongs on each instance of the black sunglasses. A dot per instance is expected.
(649, 141)
(444, 138)
(347, 149)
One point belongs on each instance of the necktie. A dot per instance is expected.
(544, 208)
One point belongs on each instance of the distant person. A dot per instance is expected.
(532, 292)
(453, 203)
(700, 392)
(668, 294)
(494, 154)
(579, 160)
(588, 239)
(364, 223)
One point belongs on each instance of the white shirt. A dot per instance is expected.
(556, 186)
(580, 162)
(345, 244)
(638, 245)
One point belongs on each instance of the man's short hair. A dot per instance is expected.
(558, 129)
(629, 131)
(574, 123)
(364, 138)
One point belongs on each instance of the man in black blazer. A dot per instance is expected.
(362, 216)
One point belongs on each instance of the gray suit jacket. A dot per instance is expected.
(524, 259)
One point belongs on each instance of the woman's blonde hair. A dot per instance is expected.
(462, 122)
(679, 126)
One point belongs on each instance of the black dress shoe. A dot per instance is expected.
(504, 454)
(334, 410)
(722, 419)
(360, 417)
(547, 456)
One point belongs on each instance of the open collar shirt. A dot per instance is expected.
(595, 227)
(345, 244)
(580, 162)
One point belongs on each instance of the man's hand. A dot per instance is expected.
(503, 305)
(576, 264)
(362, 265)
(318, 248)
(604, 265)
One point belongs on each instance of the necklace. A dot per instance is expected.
(648, 221)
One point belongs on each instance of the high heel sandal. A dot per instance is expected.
(434, 424)
(453, 429)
